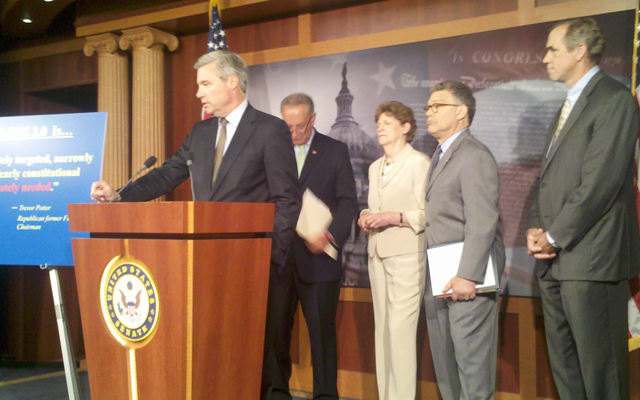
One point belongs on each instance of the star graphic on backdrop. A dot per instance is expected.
(383, 77)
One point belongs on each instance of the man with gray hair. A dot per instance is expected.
(240, 155)
(310, 275)
(461, 205)
(583, 225)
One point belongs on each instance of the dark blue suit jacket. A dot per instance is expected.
(259, 166)
(328, 174)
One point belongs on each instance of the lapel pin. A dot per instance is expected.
(314, 152)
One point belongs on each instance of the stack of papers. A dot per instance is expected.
(315, 218)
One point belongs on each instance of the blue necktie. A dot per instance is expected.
(434, 160)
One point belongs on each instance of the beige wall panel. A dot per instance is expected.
(540, 3)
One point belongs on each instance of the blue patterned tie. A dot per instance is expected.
(434, 160)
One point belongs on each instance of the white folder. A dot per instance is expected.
(444, 261)
(315, 218)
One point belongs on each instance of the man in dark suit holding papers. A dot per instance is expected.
(310, 274)
(462, 206)
(583, 223)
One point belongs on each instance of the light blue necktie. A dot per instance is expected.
(300, 157)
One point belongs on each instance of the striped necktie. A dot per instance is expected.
(217, 157)
(563, 118)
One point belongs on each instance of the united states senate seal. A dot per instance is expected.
(129, 301)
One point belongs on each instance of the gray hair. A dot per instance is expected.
(298, 99)
(228, 63)
(461, 93)
(584, 30)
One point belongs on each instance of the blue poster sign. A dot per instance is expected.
(46, 162)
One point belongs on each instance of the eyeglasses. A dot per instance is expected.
(300, 127)
(436, 106)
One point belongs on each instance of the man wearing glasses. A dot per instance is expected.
(310, 275)
(462, 206)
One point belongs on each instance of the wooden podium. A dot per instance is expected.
(210, 263)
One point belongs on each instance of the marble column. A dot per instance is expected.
(113, 98)
(147, 108)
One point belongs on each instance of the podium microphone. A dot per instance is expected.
(147, 164)
(189, 164)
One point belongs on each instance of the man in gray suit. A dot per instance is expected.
(583, 223)
(462, 206)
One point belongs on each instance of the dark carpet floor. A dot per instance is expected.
(47, 382)
(41, 382)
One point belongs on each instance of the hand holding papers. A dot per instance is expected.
(444, 261)
(315, 218)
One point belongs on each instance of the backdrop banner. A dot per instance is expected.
(516, 102)
(46, 162)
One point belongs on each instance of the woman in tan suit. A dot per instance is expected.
(397, 266)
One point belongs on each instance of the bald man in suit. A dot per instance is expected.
(583, 222)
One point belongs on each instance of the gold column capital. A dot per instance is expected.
(147, 37)
(102, 44)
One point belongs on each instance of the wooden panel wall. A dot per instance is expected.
(10, 87)
(392, 15)
(58, 71)
(34, 105)
(523, 371)
(281, 33)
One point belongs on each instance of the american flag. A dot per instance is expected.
(634, 283)
(217, 37)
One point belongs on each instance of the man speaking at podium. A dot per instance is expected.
(241, 155)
